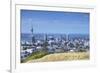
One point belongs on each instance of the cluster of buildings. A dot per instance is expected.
(53, 44)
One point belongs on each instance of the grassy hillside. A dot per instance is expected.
(62, 57)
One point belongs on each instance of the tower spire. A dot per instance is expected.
(32, 30)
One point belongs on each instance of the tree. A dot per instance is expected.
(71, 45)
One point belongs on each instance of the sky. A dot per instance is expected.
(54, 22)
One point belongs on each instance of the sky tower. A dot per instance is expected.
(32, 33)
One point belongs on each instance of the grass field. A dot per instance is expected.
(62, 57)
(34, 56)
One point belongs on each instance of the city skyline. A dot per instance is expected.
(54, 22)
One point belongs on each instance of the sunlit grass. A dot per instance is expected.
(62, 57)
